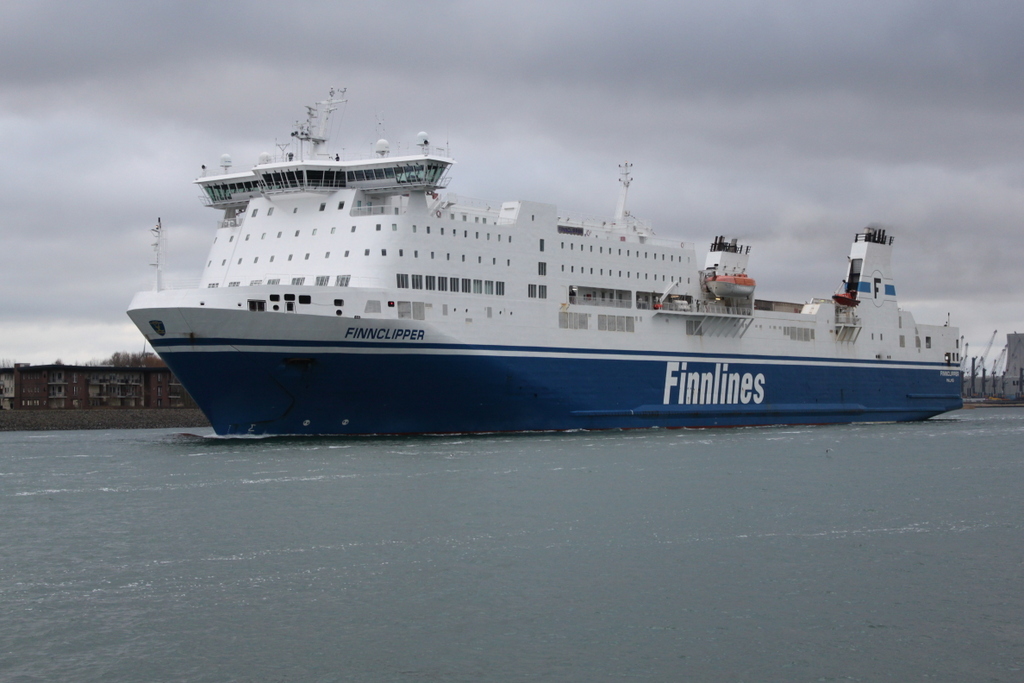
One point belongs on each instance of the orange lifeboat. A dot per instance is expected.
(730, 286)
(846, 299)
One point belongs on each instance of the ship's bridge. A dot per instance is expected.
(425, 173)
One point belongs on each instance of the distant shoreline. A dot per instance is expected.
(98, 418)
(992, 403)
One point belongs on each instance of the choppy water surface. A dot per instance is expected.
(887, 552)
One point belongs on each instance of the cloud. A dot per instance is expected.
(788, 124)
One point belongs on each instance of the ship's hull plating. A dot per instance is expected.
(268, 386)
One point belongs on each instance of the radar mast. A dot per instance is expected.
(314, 130)
(158, 251)
(620, 210)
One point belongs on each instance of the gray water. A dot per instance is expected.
(864, 553)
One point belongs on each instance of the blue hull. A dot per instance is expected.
(370, 389)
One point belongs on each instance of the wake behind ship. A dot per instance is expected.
(352, 297)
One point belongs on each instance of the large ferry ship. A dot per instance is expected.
(358, 297)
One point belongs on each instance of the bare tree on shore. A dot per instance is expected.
(127, 359)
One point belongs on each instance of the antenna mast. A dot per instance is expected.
(158, 249)
(314, 130)
(625, 179)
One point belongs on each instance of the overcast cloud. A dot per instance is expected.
(790, 125)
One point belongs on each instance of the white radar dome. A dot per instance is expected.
(264, 157)
(421, 139)
(225, 161)
(382, 147)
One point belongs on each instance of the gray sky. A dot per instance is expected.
(790, 125)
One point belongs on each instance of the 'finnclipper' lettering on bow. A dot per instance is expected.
(383, 333)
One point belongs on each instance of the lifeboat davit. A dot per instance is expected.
(846, 298)
(730, 286)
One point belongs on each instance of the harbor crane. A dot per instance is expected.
(982, 357)
(997, 364)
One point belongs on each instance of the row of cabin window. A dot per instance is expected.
(917, 342)
(568, 320)
(366, 252)
(394, 228)
(542, 269)
(295, 209)
(320, 281)
(600, 250)
(442, 283)
(629, 274)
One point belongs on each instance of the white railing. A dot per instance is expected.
(452, 199)
(181, 283)
(705, 308)
(591, 301)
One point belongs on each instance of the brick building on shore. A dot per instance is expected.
(78, 387)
